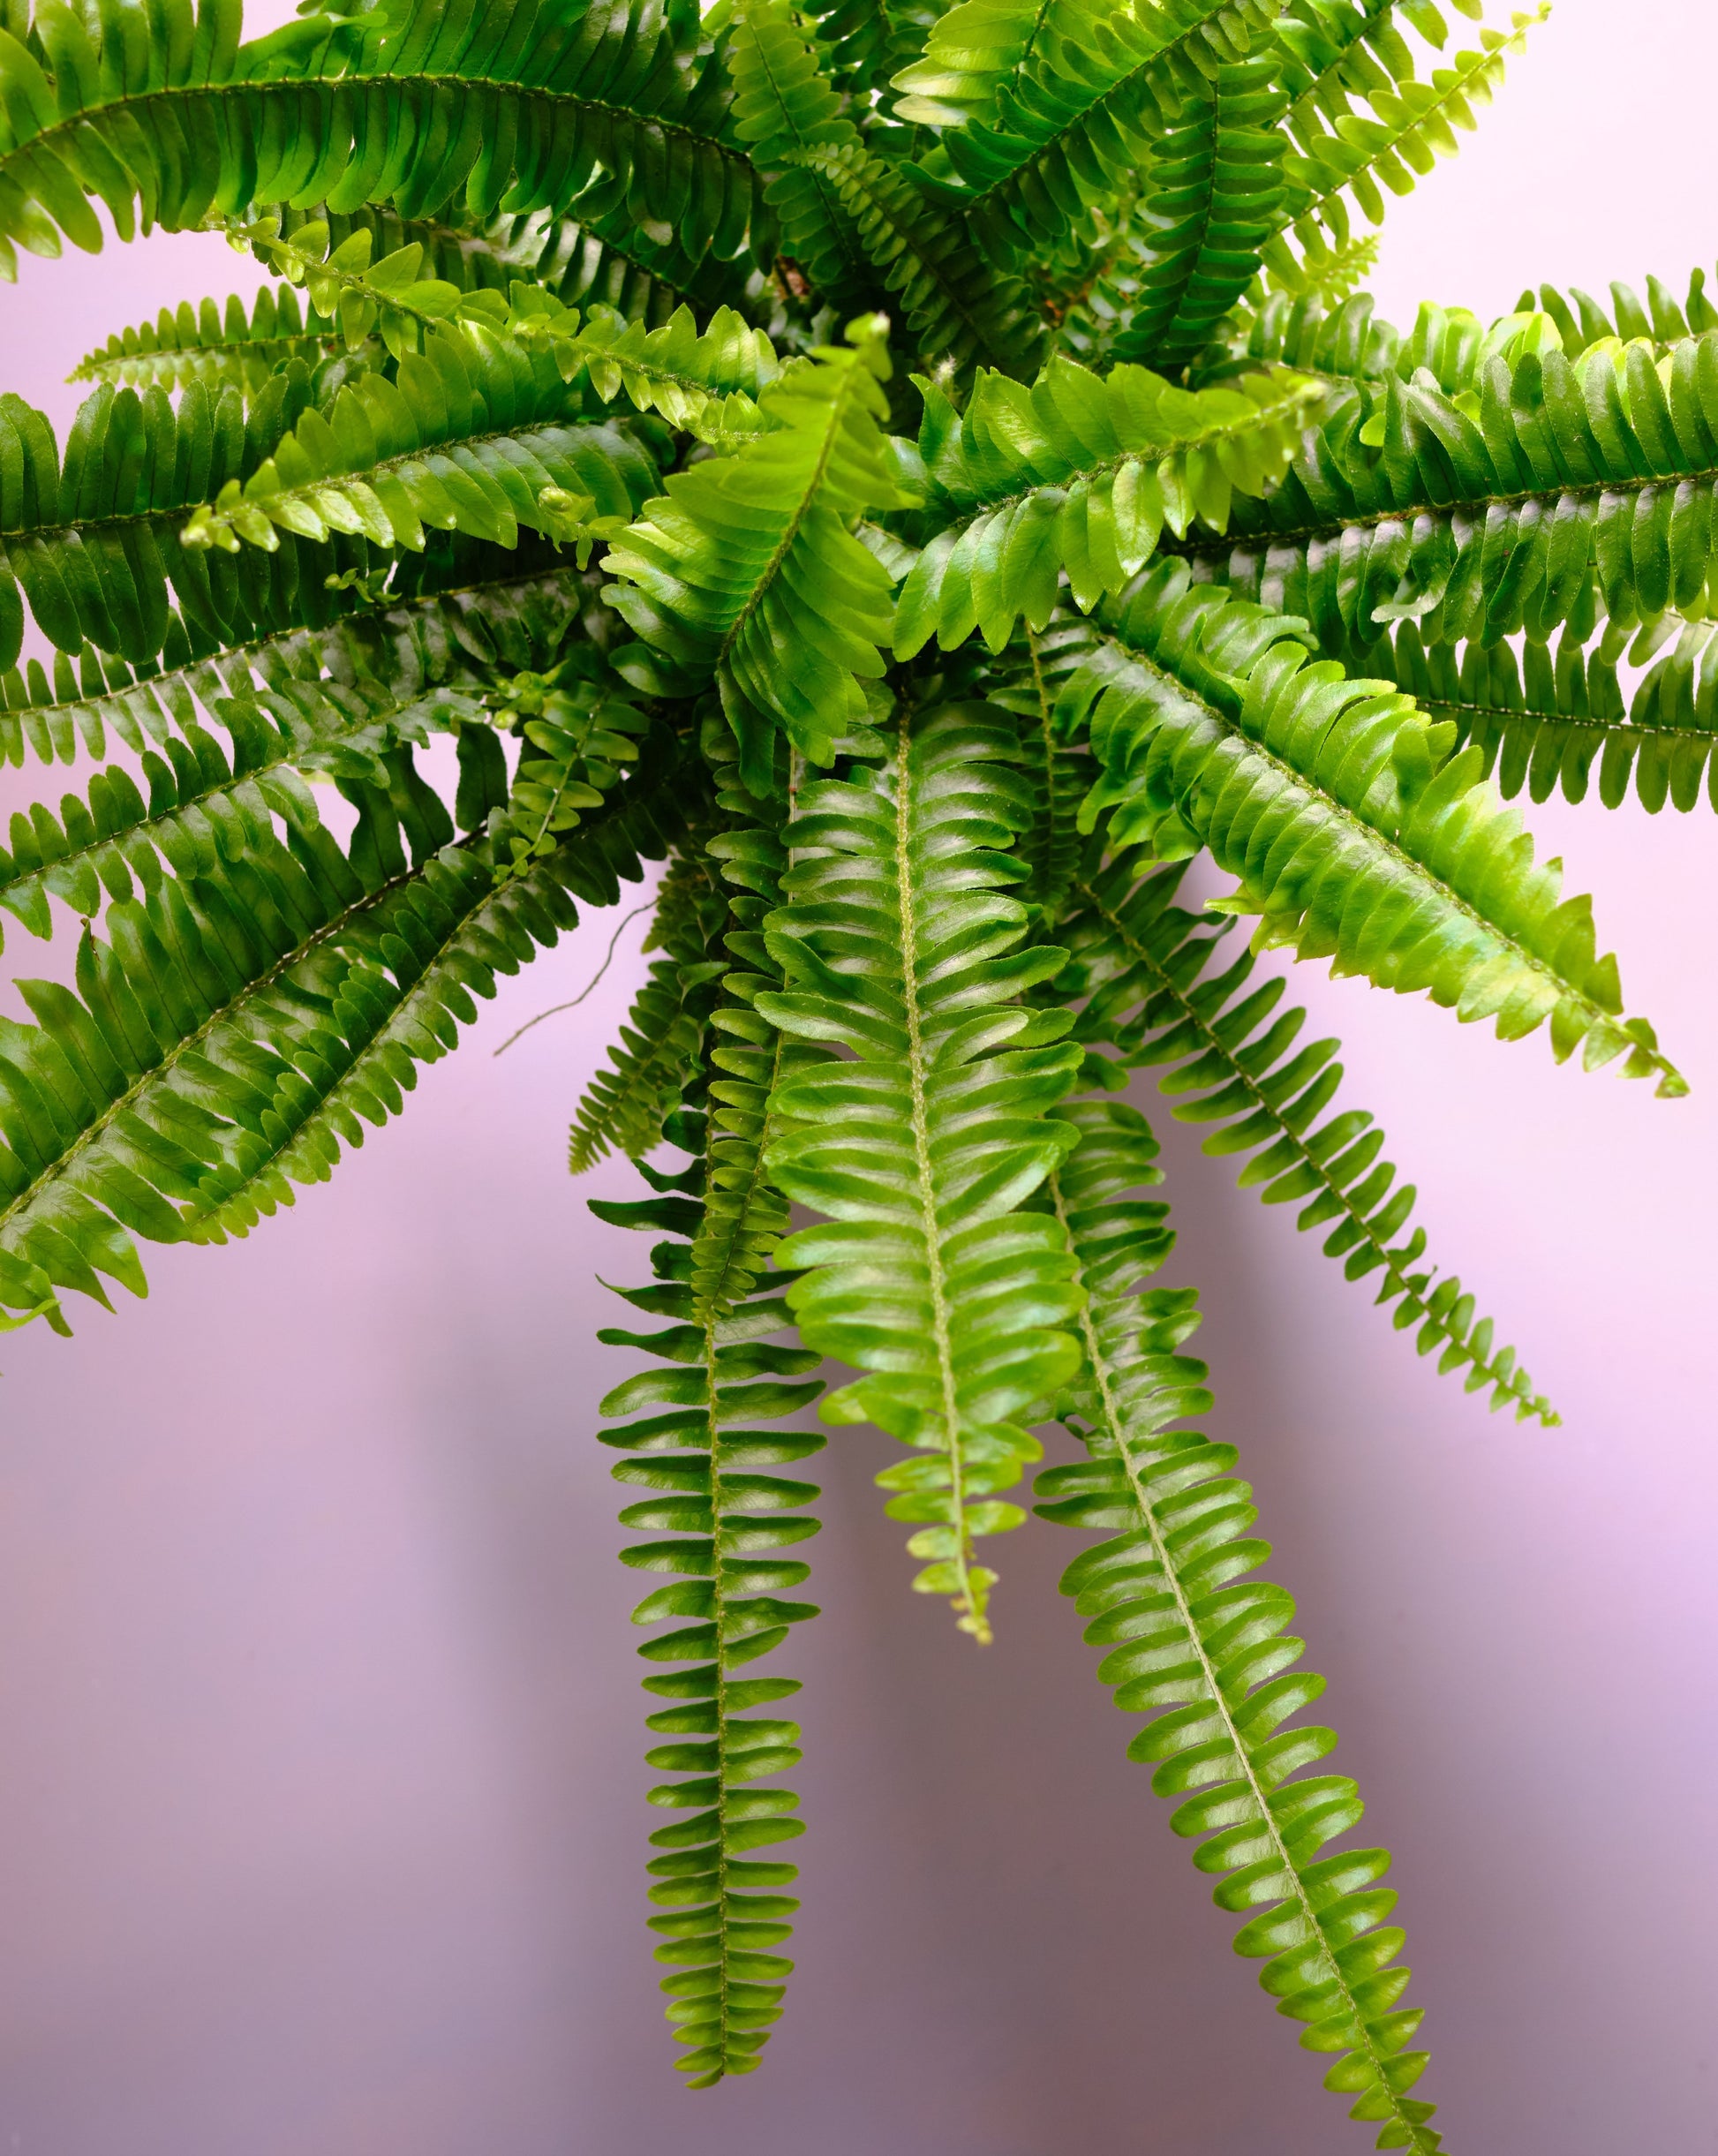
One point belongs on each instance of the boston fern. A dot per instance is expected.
(925, 478)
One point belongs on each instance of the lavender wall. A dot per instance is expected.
(320, 1779)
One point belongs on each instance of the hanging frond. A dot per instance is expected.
(720, 1527)
(239, 1025)
(1363, 158)
(1078, 475)
(1204, 1650)
(1354, 831)
(899, 946)
(1148, 976)
(744, 570)
(1058, 773)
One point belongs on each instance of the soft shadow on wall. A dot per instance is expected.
(321, 1773)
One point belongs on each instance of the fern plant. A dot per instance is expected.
(922, 476)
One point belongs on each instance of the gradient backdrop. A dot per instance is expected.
(321, 1778)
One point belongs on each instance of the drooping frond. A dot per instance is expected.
(744, 570)
(484, 612)
(1360, 159)
(720, 1528)
(744, 1215)
(240, 1025)
(1078, 475)
(1059, 774)
(662, 1042)
(205, 806)
(1203, 1650)
(1150, 979)
(899, 943)
(1356, 835)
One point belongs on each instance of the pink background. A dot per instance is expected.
(321, 1829)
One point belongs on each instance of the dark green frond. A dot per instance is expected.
(1354, 831)
(899, 943)
(1148, 974)
(721, 1529)
(1203, 1650)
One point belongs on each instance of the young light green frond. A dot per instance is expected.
(1544, 721)
(415, 105)
(745, 569)
(1078, 475)
(662, 1043)
(720, 1530)
(470, 436)
(1048, 107)
(899, 943)
(1147, 974)
(1205, 1651)
(1552, 490)
(1362, 158)
(214, 345)
(1356, 835)
(1662, 320)
(1210, 203)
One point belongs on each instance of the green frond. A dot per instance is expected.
(1334, 52)
(1204, 1650)
(744, 570)
(1050, 105)
(720, 1524)
(1662, 320)
(1361, 158)
(866, 42)
(1147, 974)
(1551, 490)
(1078, 475)
(1354, 833)
(744, 1215)
(1544, 721)
(468, 437)
(900, 944)
(486, 613)
(1210, 202)
(239, 1024)
(1059, 774)
(416, 106)
(204, 807)
(662, 1043)
(214, 345)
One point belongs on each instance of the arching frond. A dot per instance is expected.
(1149, 977)
(721, 1529)
(214, 345)
(1355, 833)
(744, 560)
(1196, 1644)
(899, 944)
(1077, 476)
